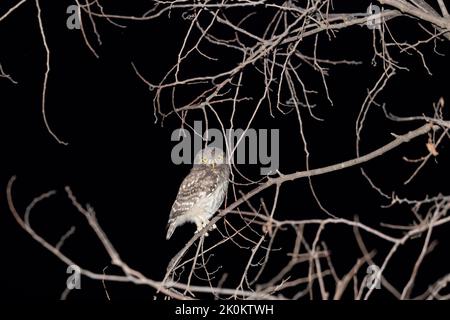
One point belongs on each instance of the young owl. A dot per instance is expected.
(202, 191)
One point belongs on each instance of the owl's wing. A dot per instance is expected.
(198, 184)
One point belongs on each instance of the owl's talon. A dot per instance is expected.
(198, 230)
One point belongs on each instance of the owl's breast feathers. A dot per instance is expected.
(201, 182)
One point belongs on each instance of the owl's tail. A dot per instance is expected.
(170, 229)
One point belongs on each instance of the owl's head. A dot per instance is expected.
(210, 156)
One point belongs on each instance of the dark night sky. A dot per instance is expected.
(118, 159)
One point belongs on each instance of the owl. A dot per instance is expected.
(202, 191)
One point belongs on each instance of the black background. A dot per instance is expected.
(118, 159)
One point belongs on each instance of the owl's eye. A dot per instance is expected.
(204, 160)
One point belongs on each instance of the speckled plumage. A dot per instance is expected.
(202, 191)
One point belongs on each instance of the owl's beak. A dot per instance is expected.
(213, 165)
